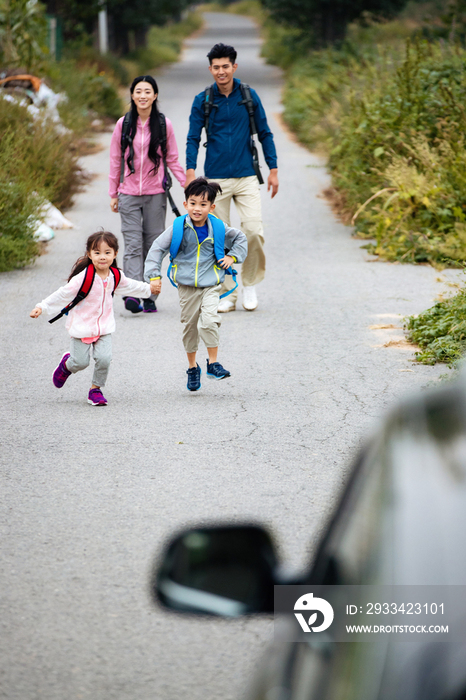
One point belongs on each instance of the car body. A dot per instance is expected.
(401, 521)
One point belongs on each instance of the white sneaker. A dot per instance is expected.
(249, 298)
(225, 306)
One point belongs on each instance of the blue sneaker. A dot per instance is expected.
(194, 378)
(216, 370)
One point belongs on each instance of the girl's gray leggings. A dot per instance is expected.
(80, 356)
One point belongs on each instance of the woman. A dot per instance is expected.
(139, 195)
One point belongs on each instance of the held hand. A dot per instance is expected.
(190, 176)
(272, 182)
(226, 262)
(156, 286)
(114, 204)
(36, 312)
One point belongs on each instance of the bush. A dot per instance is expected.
(90, 93)
(391, 120)
(17, 209)
(36, 163)
(32, 152)
(440, 331)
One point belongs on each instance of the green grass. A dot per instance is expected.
(440, 331)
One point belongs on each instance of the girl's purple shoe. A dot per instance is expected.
(61, 374)
(96, 398)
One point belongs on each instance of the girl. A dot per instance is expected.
(140, 198)
(91, 321)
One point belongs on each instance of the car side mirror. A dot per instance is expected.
(226, 570)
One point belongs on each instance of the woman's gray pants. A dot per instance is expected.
(80, 357)
(142, 221)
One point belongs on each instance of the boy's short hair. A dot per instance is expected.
(222, 51)
(200, 187)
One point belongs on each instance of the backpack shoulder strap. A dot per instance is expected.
(116, 276)
(218, 228)
(84, 290)
(177, 237)
(208, 106)
(249, 104)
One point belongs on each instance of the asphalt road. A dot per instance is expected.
(89, 495)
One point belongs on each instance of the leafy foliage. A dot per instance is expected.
(327, 20)
(392, 121)
(440, 331)
(22, 33)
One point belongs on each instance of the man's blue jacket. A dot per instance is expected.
(228, 151)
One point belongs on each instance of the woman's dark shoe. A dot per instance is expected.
(132, 304)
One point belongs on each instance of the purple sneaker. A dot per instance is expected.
(96, 398)
(61, 374)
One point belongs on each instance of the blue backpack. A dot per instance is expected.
(219, 246)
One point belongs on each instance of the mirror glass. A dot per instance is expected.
(224, 570)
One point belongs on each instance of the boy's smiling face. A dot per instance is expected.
(198, 208)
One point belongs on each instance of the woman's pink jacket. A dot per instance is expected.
(143, 181)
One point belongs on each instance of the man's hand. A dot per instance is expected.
(272, 182)
(190, 176)
(36, 312)
(114, 204)
(226, 262)
(155, 286)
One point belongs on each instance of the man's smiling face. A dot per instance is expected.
(222, 70)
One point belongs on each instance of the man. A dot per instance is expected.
(229, 162)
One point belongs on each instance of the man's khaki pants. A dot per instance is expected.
(244, 191)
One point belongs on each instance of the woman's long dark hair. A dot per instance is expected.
(93, 243)
(154, 122)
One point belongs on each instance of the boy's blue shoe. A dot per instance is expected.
(194, 378)
(216, 370)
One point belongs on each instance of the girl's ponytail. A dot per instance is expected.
(79, 266)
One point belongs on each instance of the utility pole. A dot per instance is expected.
(103, 28)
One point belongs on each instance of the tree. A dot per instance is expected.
(127, 18)
(327, 20)
(134, 19)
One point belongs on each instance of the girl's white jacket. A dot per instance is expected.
(94, 315)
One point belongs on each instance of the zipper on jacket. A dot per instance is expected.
(142, 158)
(102, 309)
(198, 255)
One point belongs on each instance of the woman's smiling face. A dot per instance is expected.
(144, 96)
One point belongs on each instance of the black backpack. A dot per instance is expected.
(249, 104)
(127, 142)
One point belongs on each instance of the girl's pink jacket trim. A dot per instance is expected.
(143, 181)
(94, 315)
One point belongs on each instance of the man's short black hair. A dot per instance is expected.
(200, 187)
(222, 51)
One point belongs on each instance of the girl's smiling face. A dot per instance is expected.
(144, 96)
(102, 257)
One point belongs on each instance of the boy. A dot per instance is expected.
(199, 275)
